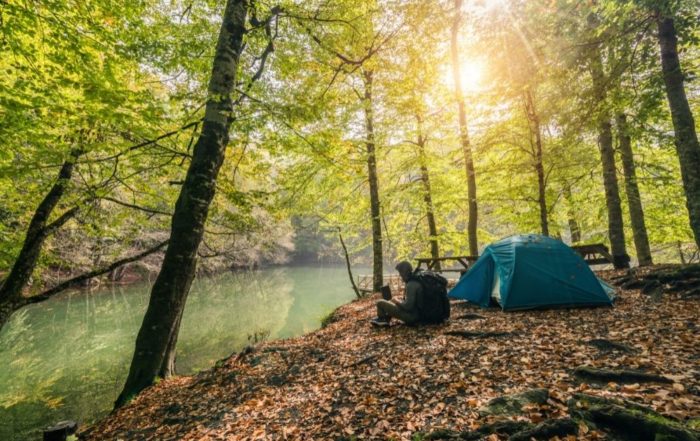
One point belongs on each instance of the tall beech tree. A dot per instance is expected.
(373, 180)
(421, 140)
(464, 129)
(634, 200)
(686, 137)
(535, 129)
(154, 352)
(616, 231)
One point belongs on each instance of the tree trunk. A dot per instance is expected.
(358, 294)
(156, 339)
(639, 229)
(686, 141)
(464, 131)
(534, 122)
(375, 211)
(427, 194)
(616, 231)
(39, 229)
(167, 368)
(574, 228)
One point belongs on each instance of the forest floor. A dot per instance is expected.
(352, 381)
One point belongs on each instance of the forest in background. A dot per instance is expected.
(118, 89)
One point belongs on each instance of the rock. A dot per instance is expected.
(513, 404)
(60, 431)
(628, 421)
(547, 430)
(589, 374)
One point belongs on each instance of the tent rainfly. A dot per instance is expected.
(532, 271)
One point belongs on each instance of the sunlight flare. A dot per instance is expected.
(471, 75)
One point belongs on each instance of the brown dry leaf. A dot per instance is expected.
(420, 378)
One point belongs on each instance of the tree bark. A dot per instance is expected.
(616, 231)
(534, 123)
(686, 138)
(574, 228)
(156, 339)
(375, 206)
(639, 229)
(358, 294)
(39, 229)
(464, 131)
(427, 194)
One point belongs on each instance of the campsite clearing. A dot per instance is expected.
(350, 380)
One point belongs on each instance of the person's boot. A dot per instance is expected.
(380, 322)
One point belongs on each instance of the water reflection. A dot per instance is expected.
(67, 358)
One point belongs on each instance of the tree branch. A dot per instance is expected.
(94, 273)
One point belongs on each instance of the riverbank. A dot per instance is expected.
(349, 380)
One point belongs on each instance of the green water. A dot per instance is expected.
(68, 357)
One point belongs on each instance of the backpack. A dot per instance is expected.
(433, 304)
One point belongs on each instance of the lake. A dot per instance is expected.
(67, 358)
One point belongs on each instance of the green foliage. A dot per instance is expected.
(107, 76)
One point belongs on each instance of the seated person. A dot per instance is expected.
(406, 311)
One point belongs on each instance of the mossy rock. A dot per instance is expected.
(628, 421)
(513, 404)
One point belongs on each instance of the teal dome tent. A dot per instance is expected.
(531, 271)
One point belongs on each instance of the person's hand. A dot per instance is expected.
(396, 301)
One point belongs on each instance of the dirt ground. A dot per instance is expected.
(352, 381)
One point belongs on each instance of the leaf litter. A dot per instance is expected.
(351, 381)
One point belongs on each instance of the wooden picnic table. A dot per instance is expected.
(433, 263)
(594, 254)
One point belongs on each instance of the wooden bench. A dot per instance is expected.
(594, 254)
(433, 263)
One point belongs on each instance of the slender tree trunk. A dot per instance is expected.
(616, 231)
(347, 264)
(39, 229)
(375, 209)
(639, 229)
(686, 141)
(574, 228)
(464, 131)
(155, 343)
(534, 122)
(427, 193)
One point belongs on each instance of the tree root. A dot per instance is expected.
(628, 421)
(605, 345)
(472, 334)
(589, 374)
